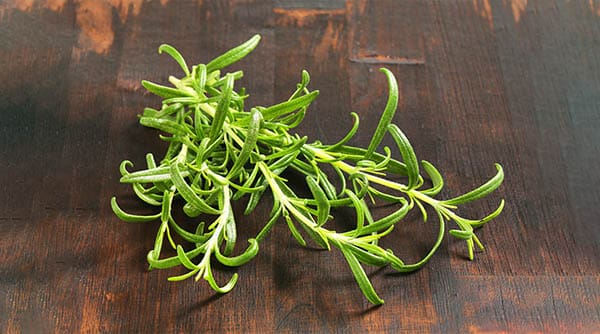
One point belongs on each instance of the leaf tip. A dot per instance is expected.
(385, 70)
(162, 48)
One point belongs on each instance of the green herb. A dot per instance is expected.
(220, 152)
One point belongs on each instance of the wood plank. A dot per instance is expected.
(547, 304)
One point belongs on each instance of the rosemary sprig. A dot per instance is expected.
(219, 152)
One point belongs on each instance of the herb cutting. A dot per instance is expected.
(221, 151)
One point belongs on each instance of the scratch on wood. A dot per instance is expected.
(97, 34)
(382, 59)
(125, 5)
(56, 5)
(484, 9)
(128, 84)
(89, 318)
(477, 330)
(329, 41)
(518, 7)
(24, 5)
(302, 16)
(360, 5)
(351, 25)
(595, 7)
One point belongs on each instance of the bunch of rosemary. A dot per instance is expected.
(220, 152)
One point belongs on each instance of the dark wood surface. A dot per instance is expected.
(481, 81)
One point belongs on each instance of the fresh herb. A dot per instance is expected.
(220, 152)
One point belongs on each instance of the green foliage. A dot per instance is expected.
(219, 152)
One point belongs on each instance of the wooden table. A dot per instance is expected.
(481, 81)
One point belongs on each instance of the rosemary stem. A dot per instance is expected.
(213, 242)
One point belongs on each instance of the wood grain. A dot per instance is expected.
(515, 82)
